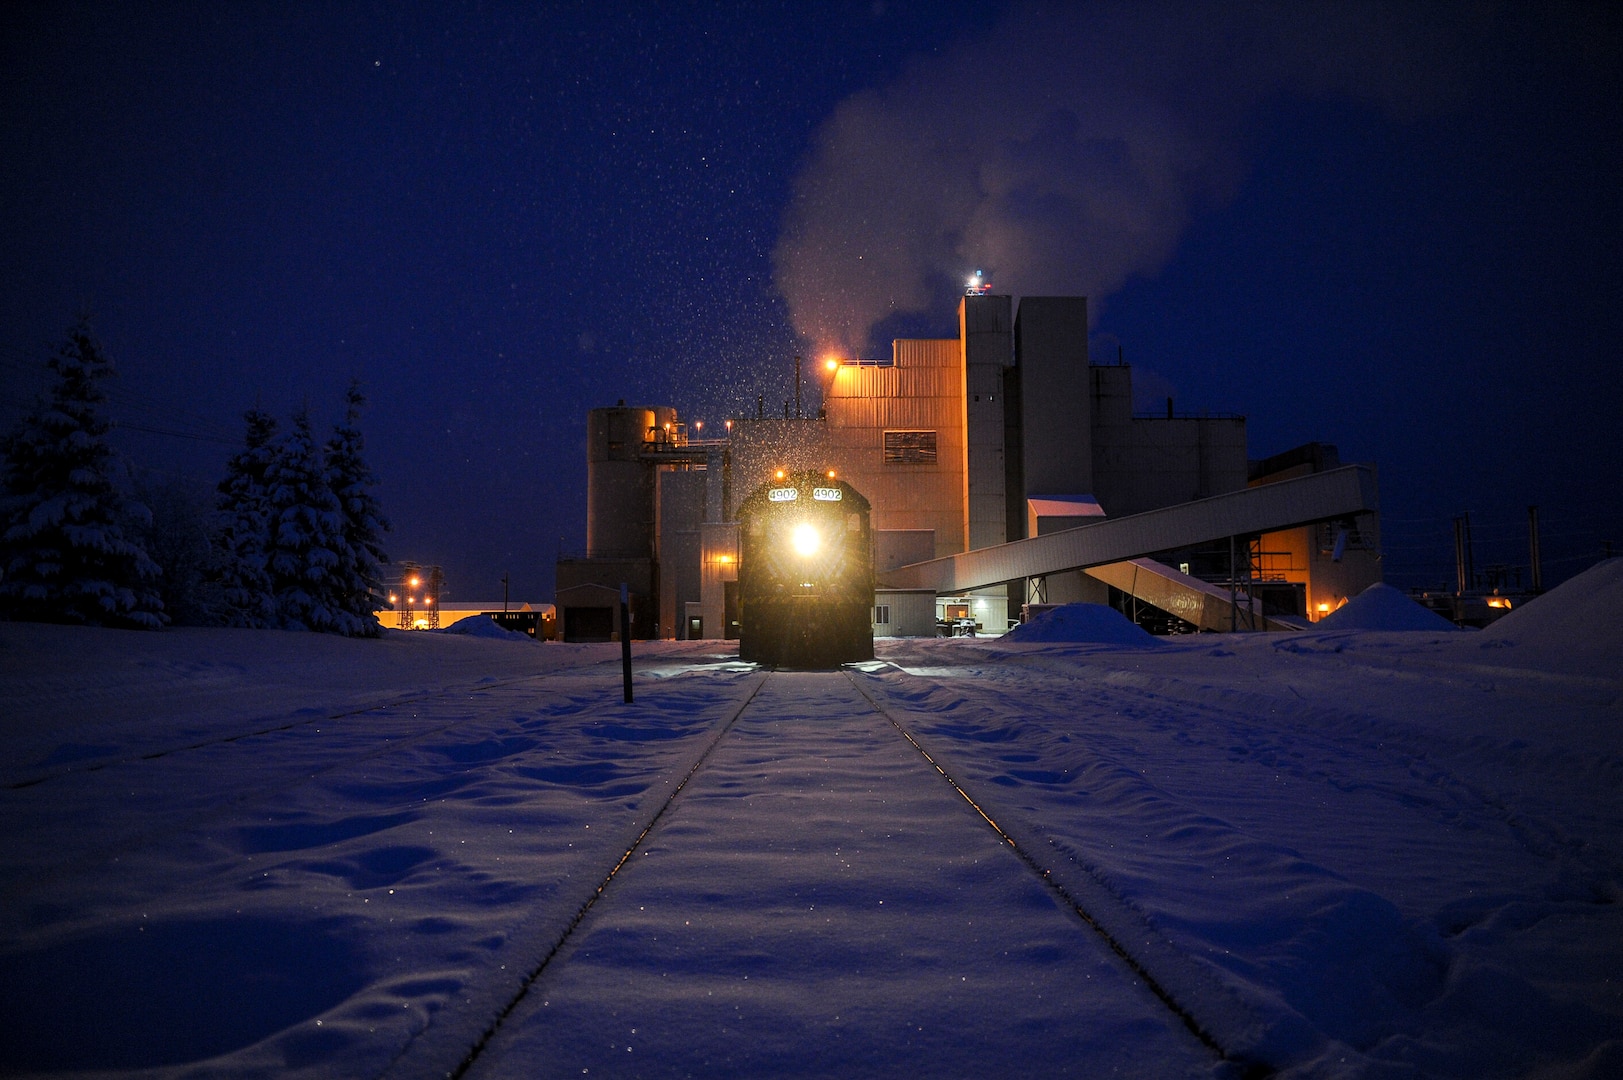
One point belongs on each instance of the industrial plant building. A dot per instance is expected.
(1004, 469)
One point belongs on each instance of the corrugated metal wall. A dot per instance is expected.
(923, 390)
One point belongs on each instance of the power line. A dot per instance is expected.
(178, 434)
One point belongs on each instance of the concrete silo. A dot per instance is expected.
(619, 480)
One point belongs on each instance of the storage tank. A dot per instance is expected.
(619, 482)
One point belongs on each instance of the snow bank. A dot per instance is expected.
(1580, 611)
(1382, 607)
(483, 626)
(1090, 623)
(116, 689)
(1573, 628)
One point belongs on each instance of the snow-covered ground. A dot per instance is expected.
(1353, 851)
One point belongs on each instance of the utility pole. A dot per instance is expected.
(504, 594)
(797, 386)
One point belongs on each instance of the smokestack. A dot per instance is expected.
(1169, 408)
(1532, 549)
(1459, 556)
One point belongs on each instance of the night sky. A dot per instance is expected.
(1397, 232)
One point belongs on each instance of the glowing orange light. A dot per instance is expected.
(831, 364)
(1324, 609)
(831, 474)
(414, 582)
(724, 558)
(779, 474)
(1499, 602)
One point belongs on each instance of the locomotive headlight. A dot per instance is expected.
(805, 540)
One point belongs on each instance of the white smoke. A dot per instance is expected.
(1067, 150)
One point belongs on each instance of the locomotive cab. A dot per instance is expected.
(805, 579)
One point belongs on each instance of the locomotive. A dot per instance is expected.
(805, 576)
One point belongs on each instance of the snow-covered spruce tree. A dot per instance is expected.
(182, 538)
(245, 531)
(65, 555)
(306, 534)
(361, 556)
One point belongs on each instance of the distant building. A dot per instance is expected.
(1004, 432)
(537, 620)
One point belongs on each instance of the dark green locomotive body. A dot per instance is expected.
(805, 574)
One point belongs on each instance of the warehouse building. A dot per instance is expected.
(1005, 432)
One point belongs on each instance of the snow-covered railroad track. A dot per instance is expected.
(1210, 1014)
(1335, 759)
(391, 869)
(815, 881)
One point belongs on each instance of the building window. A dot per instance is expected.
(881, 614)
(910, 448)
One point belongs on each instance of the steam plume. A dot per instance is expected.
(1067, 150)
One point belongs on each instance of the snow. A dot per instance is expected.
(483, 626)
(1341, 853)
(1573, 628)
(1096, 623)
(1381, 607)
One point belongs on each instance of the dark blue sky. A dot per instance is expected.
(499, 217)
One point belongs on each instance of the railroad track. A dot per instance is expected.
(1252, 722)
(1189, 997)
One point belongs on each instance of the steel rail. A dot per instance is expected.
(1249, 1068)
(579, 917)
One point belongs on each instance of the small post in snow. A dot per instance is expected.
(625, 637)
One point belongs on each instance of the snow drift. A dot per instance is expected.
(1382, 607)
(1097, 624)
(483, 626)
(1574, 628)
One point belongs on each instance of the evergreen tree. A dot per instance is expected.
(245, 535)
(306, 535)
(183, 539)
(361, 556)
(64, 552)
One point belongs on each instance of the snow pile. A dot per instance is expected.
(1382, 607)
(1091, 623)
(483, 626)
(1574, 627)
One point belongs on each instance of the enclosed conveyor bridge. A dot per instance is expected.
(1285, 504)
